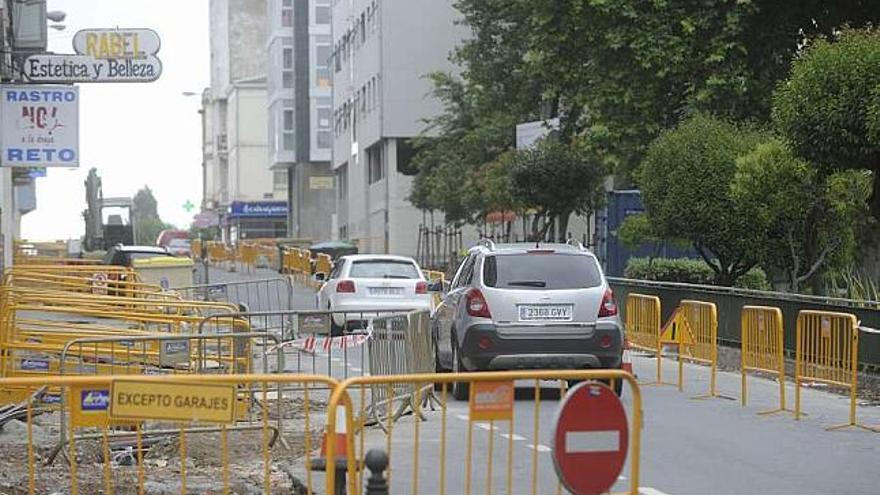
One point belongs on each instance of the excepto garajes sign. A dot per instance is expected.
(40, 126)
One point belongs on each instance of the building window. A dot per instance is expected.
(287, 17)
(287, 58)
(363, 28)
(342, 181)
(322, 66)
(322, 13)
(375, 163)
(279, 179)
(324, 140)
(289, 139)
(287, 79)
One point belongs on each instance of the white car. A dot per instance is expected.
(362, 286)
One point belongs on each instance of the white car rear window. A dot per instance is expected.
(383, 269)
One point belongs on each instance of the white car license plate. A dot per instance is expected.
(545, 312)
(386, 291)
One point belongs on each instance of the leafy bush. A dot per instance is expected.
(688, 271)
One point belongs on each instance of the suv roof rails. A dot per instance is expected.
(488, 244)
(576, 243)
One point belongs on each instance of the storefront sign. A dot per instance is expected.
(85, 69)
(116, 43)
(40, 126)
(240, 209)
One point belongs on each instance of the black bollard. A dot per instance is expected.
(377, 463)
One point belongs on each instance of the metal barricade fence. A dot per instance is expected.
(702, 328)
(83, 285)
(227, 354)
(129, 416)
(463, 459)
(763, 349)
(320, 342)
(827, 352)
(643, 323)
(32, 336)
(263, 295)
(400, 344)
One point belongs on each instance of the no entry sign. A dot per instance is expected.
(590, 439)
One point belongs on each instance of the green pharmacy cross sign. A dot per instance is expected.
(188, 206)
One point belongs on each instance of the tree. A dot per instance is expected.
(623, 71)
(685, 182)
(147, 223)
(830, 106)
(809, 222)
(556, 181)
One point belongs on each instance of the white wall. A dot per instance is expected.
(249, 174)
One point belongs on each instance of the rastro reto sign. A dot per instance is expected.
(40, 126)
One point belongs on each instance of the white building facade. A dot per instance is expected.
(298, 48)
(236, 173)
(382, 52)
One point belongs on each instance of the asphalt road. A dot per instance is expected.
(689, 447)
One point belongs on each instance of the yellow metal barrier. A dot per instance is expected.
(323, 264)
(354, 443)
(643, 320)
(196, 249)
(763, 348)
(702, 329)
(827, 352)
(123, 420)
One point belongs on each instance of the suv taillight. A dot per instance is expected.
(609, 305)
(345, 287)
(477, 305)
(421, 287)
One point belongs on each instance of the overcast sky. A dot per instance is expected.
(135, 134)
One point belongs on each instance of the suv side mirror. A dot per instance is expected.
(320, 277)
(435, 286)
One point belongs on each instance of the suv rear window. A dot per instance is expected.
(541, 271)
(383, 269)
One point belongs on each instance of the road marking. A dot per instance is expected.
(355, 368)
(646, 490)
(463, 417)
(621, 478)
(539, 448)
(486, 427)
(515, 437)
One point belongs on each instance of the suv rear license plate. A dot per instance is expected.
(545, 312)
(386, 291)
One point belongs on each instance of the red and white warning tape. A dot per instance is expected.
(316, 344)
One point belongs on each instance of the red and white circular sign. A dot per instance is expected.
(590, 439)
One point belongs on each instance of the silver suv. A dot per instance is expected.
(527, 306)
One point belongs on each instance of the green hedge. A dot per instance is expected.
(688, 271)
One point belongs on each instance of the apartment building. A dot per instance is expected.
(382, 51)
(298, 46)
(236, 173)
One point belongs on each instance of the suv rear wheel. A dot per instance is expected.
(460, 390)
